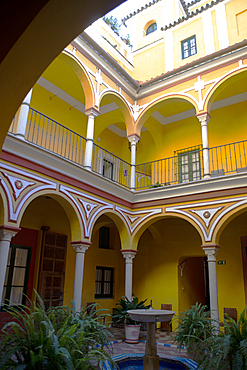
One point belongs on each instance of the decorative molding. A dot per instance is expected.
(211, 251)
(80, 246)
(19, 185)
(8, 232)
(135, 218)
(129, 255)
(208, 214)
(88, 206)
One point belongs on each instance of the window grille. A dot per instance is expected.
(188, 47)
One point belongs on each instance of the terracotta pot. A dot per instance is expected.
(132, 333)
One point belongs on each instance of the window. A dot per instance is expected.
(16, 278)
(104, 237)
(189, 166)
(151, 28)
(104, 282)
(188, 47)
(108, 169)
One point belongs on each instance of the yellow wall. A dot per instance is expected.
(230, 276)
(236, 12)
(146, 63)
(157, 260)
(114, 144)
(57, 109)
(228, 125)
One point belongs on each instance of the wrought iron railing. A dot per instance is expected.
(228, 158)
(56, 138)
(185, 166)
(111, 166)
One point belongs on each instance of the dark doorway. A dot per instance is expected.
(193, 283)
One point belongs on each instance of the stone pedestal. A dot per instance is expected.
(151, 359)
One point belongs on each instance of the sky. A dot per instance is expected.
(126, 8)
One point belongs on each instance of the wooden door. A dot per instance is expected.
(52, 271)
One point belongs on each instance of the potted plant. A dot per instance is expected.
(131, 327)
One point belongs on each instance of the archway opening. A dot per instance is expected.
(103, 281)
(161, 249)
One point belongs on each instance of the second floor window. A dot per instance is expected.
(151, 28)
(189, 164)
(104, 237)
(188, 47)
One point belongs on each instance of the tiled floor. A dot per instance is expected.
(165, 344)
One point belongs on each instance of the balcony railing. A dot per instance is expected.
(228, 158)
(54, 137)
(185, 166)
(111, 166)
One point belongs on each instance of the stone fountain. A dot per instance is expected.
(151, 316)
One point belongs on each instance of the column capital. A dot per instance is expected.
(92, 112)
(80, 246)
(211, 251)
(8, 232)
(203, 117)
(129, 254)
(133, 138)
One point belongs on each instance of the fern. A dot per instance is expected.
(59, 338)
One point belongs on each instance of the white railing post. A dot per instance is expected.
(22, 116)
(6, 234)
(80, 248)
(91, 113)
(204, 119)
(211, 251)
(129, 255)
(133, 139)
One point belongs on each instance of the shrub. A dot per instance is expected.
(228, 350)
(194, 326)
(60, 338)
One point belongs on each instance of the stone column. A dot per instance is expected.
(211, 252)
(91, 113)
(133, 139)
(6, 234)
(23, 116)
(80, 248)
(204, 119)
(129, 255)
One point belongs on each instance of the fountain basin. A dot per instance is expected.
(135, 362)
(148, 315)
